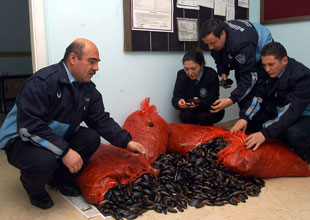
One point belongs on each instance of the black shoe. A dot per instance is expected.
(69, 190)
(43, 202)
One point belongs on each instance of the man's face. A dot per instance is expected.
(274, 66)
(215, 43)
(86, 67)
(192, 69)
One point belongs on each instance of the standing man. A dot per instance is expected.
(42, 135)
(285, 108)
(236, 45)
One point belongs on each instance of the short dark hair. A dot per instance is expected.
(75, 47)
(212, 26)
(195, 55)
(274, 49)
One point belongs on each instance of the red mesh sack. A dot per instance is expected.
(149, 129)
(108, 166)
(183, 138)
(271, 159)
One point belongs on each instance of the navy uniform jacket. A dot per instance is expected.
(287, 97)
(244, 41)
(48, 109)
(207, 89)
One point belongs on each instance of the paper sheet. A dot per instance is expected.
(187, 29)
(220, 7)
(206, 3)
(243, 3)
(188, 4)
(88, 210)
(152, 15)
(230, 13)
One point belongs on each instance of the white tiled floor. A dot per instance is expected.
(280, 199)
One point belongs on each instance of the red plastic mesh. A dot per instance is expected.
(272, 159)
(183, 138)
(149, 129)
(108, 166)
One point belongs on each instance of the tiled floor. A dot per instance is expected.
(281, 199)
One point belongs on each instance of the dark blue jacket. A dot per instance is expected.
(207, 89)
(49, 108)
(287, 97)
(244, 41)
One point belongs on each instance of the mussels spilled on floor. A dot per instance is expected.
(193, 180)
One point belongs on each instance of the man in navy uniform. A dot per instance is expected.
(42, 135)
(236, 45)
(284, 107)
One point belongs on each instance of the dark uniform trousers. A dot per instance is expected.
(194, 116)
(297, 136)
(39, 165)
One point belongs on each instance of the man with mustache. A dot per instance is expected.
(42, 135)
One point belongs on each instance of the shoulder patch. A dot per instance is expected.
(240, 58)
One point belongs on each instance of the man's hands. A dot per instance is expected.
(240, 125)
(224, 77)
(252, 141)
(220, 104)
(136, 148)
(73, 161)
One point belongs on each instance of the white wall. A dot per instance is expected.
(294, 36)
(124, 78)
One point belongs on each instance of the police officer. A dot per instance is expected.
(196, 88)
(236, 45)
(42, 135)
(284, 107)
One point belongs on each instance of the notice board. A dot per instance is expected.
(135, 40)
(278, 11)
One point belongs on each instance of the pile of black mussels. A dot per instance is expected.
(195, 180)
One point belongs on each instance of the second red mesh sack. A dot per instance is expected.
(183, 138)
(272, 159)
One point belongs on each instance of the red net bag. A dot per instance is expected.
(272, 159)
(183, 138)
(149, 129)
(109, 166)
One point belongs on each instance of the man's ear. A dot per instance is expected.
(72, 58)
(223, 34)
(284, 60)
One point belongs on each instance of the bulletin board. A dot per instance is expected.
(279, 11)
(135, 40)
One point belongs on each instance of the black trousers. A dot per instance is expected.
(194, 116)
(38, 165)
(297, 136)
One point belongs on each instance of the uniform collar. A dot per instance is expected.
(200, 75)
(71, 79)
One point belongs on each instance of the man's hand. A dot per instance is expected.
(224, 77)
(136, 148)
(220, 104)
(254, 140)
(240, 125)
(73, 161)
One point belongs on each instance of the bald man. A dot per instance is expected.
(42, 135)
